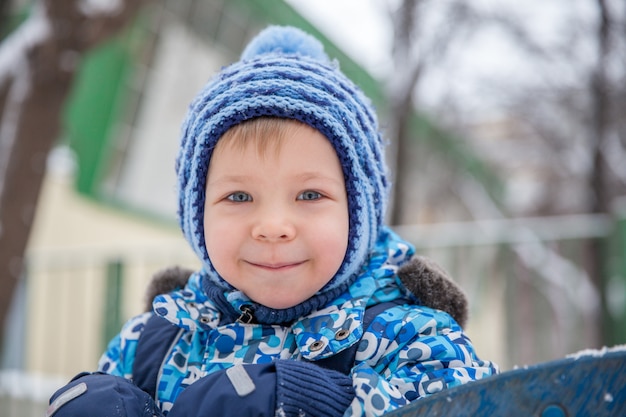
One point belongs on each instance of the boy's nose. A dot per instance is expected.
(274, 228)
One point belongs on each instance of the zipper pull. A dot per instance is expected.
(247, 315)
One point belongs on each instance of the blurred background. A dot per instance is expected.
(506, 123)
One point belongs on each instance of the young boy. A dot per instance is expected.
(301, 307)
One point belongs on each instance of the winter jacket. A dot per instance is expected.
(408, 352)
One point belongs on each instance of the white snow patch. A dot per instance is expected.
(596, 353)
(100, 7)
(32, 386)
(13, 49)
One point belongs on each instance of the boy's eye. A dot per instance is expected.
(309, 195)
(239, 197)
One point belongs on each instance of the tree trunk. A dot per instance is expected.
(46, 51)
(39, 120)
(402, 85)
(598, 182)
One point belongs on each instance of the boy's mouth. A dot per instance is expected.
(281, 266)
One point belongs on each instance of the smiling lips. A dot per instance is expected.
(283, 266)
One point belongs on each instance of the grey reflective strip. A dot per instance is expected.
(240, 379)
(67, 396)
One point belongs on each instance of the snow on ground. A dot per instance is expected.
(36, 387)
(596, 353)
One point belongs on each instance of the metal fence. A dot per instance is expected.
(68, 306)
(527, 281)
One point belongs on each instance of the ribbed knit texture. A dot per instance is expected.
(286, 74)
(305, 389)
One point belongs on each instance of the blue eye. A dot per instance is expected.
(239, 197)
(309, 195)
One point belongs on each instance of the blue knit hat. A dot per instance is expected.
(284, 72)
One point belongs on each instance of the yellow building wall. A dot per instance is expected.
(72, 240)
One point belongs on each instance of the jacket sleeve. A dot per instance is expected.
(283, 388)
(120, 353)
(409, 353)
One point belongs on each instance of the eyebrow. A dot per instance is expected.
(305, 176)
(315, 175)
(229, 179)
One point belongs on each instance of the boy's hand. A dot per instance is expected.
(244, 391)
(101, 395)
(295, 388)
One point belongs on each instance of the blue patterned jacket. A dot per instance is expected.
(408, 352)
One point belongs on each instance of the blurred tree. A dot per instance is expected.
(574, 109)
(607, 122)
(569, 107)
(413, 52)
(425, 33)
(38, 63)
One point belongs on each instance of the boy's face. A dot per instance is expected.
(276, 224)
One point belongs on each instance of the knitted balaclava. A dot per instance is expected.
(285, 73)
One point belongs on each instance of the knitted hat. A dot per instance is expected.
(284, 72)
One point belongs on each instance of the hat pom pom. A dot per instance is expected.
(285, 40)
